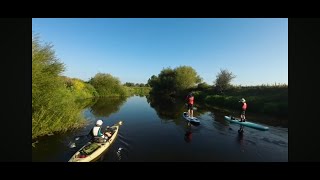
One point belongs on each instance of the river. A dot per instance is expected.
(154, 130)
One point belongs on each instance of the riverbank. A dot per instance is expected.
(272, 100)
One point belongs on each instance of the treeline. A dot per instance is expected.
(129, 84)
(57, 101)
(269, 99)
(174, 82)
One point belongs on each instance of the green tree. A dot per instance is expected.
(223, 80)
(53, 105)
(203, 86)
(45, 73)
(152, 81)
(79, 88)
(166, 83)
(174, 81)
(186, 77)
(107, 85)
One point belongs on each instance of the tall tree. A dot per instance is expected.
(173, 81)
(152, 81)
(186, 77)
(46, 70)
(223, 80)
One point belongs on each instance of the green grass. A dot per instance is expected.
(262, 99)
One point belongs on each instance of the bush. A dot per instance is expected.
(53, 105)
(107, 85)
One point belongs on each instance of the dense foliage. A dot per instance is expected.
(54, 106)
(174, 81)
(107, 85)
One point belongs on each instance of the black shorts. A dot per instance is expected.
(190, 106)
(243, 112)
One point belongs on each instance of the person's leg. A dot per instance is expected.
(244, 116)
(189, 107)
(191, 112)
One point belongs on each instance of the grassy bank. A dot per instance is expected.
(271, 100)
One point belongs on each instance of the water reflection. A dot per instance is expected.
(85, 103)
(188, 135)
(142, 136)
(167, 108)
(106, 106)
(240, 135)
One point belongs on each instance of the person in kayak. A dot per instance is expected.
(190, 100)
(243, 110)
(98, 136)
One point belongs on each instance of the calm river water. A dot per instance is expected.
(154, 130)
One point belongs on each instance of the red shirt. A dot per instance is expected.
(244, 106)
(191, 98)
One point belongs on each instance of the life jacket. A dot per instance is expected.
(190, 99)
(96, 131)
(244, 106)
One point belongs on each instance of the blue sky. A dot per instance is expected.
(134, 49)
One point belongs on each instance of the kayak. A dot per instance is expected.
(190, 119)
(246, 123)
(92, 150)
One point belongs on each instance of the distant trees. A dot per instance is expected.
(223, 80)
(173, 81)
(107, 85)
(129, 84)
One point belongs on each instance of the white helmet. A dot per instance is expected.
(243, 100)
(99, 122)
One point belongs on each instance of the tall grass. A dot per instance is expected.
(263, 99)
